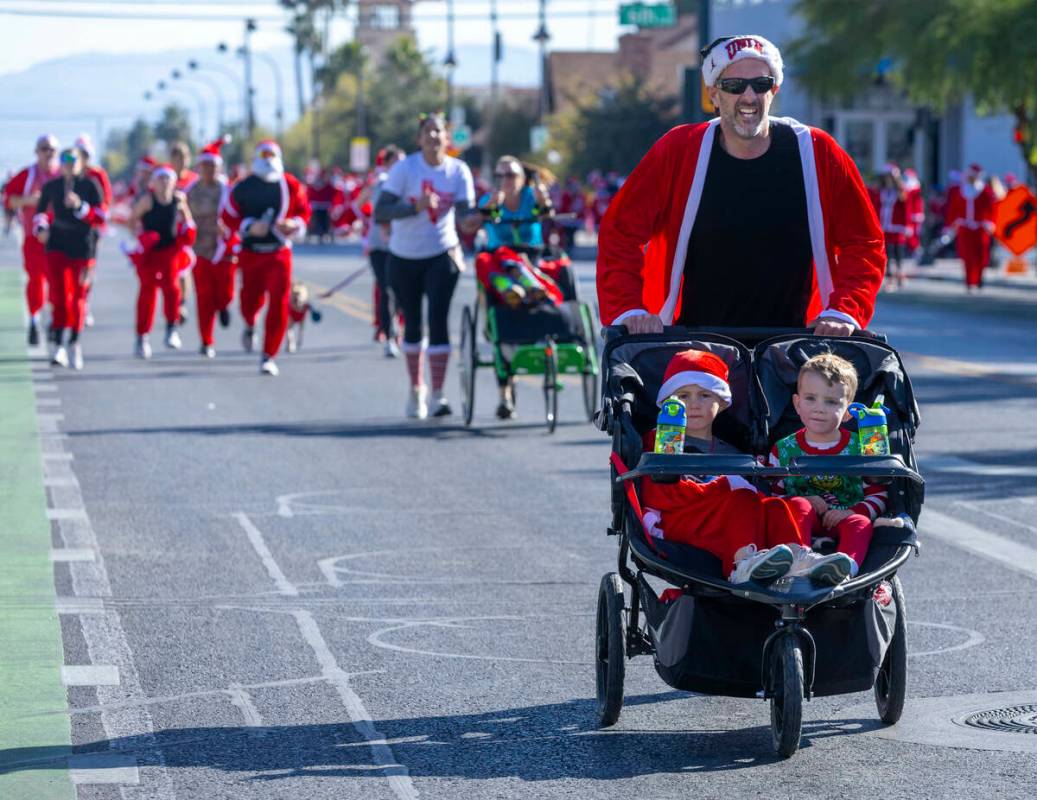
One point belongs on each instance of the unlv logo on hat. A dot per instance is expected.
(737, 45)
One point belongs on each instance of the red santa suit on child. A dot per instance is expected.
(722, 514)
(970, 213)
(268, 209)
(26, 186)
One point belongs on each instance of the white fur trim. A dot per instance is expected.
(831, 313)
(738, 482)
(691, 208)
(739, 48)
(634, 312)
(653, 523)
(162, 171)
(432, 349)
(706, 380)
(82, 211)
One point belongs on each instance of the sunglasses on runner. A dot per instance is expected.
(511, 174)
(760, 85)
(68, 157)
(268, 154)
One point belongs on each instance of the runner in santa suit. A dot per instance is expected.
(167, 233)
(67, 214)
(214, 269)
(889, 198)
(179, 158)
(21, 194)
(96, 173)
(268, 210)
(320, 192)
(970, 214)
(747, 220)
(915, 210)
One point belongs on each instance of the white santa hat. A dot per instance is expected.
(726, 51)
(267, 167)
(162, 170)
(86, 145)
(696, 368)
(268, 146)
(211, 151)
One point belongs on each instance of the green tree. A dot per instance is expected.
(510, 132)
(613, 131)
(937, 51)
(174, 125)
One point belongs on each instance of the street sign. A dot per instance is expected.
(462, 136)
(537, 138)
(359, 154)
(648, 15)
(1015, 220)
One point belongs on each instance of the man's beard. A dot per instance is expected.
(748, 129)
(269, 169)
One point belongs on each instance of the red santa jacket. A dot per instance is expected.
(24, 183)
(892, 212)
(293, 205)
(970, 208)
(100, 177)
(644, 236)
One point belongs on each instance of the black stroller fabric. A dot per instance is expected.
(529, 326)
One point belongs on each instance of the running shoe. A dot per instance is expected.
(760, 565)
(173, 338)
(505, 410)
(88, 320)
(143, 349)
(34, 332)
(77, 356)
(60, 357)
(248, 339)
(268, 367)
(184, 316)
(292, 345)
(391, 349)
(224, 317)
(832, 570)
(442, 407)
(208, 351)
(417, 402)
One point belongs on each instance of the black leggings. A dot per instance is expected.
(412, 280)
(386, 299)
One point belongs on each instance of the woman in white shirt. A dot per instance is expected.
(426, 196)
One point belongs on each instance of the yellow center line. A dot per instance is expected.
(350, 306)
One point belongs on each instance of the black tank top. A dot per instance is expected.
(162, 220)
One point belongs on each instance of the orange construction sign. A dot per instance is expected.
(1015, 220)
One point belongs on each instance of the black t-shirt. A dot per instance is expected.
(749, 261)
(161, 219)
(69, 235)
(259, 199)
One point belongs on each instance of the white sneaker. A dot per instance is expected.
(60, 357)
(268, 367)
(77, 356)
(143, 347)
(391, 350)
(292, 346)
(89, 320)
(760, 565)
(208, 351)
(173, 339)
(417, 402)
(441, 407)
(833, 569)
(248, 339)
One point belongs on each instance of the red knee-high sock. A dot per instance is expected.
(415, 363)
(437, 363)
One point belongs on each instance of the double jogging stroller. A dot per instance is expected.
(788, 640)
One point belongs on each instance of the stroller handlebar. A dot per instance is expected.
(748, 334)
(663, 465)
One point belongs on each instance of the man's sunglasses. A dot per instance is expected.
(760, 85)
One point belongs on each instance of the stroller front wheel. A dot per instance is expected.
(787, 697)
(891, 681)
(610, 649)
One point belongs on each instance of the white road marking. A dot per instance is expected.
(90, 675)
(103, 768)
(993, 514)
(79, 605)
(49, 387)
(56, 456)
(397, 774)
(974, 638)
(78, 514)
(48, 402)
(982, 543)
(63, 555)
(949, 463)
(242, 700)
(255, 537)
(60, 480)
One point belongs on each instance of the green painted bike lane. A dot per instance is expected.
(33, 743)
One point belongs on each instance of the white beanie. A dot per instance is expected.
(724, 52)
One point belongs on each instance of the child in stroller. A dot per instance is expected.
(757, 538)
(511, 278)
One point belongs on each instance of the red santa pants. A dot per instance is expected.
(67, 292)
(159, 272)
(263, 275)
(214, 291)
(34, 257)
(853, 534)
(974, 250)
(718, 519)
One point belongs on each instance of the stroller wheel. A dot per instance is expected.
(891, 681)
(787, 698)
(610, 649)
(468, 362)
(590, 394)
(551, 386)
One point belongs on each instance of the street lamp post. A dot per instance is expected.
(541, 37)
(450, 63)
(163, 86)
(271, 62)
(250, 114)
(495, 60)
(177, 75)
(239, 90)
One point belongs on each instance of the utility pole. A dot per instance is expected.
(450, 63)
(491, 117)
(246, 52)
(541, 37)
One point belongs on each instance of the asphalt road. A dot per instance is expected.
(299, 594)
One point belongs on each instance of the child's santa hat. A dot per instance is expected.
(163, 170)
(724, 52)
(696, 368)
(211, 151)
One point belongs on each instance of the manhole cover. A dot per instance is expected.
(1013, 719)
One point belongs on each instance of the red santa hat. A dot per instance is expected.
(268, 146)
(726, 51)
(86, 145)
(163, 170)
(889, 168)
(696, 368)
(974, 171)
(146, 163)
(211, 151)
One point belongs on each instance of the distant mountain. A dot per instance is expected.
(94, 93)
